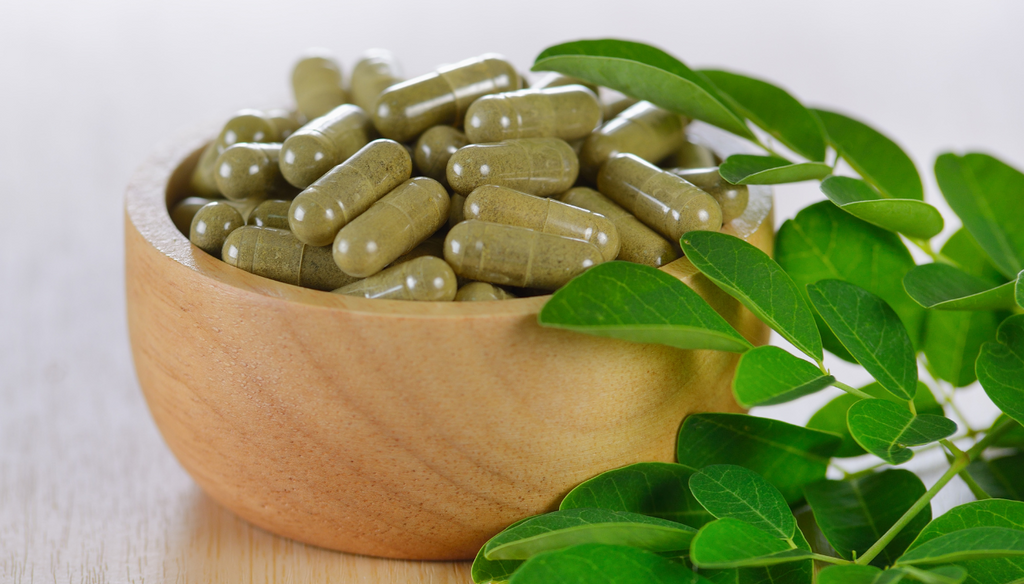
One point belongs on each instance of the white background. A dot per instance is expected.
(87, 89)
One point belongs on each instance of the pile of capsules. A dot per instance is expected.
(456, 185)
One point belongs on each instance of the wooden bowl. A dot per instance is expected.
(388, 428)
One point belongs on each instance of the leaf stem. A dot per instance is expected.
(830, 559)
(978, 492)
(851, 390)
(1002, 425)
(939, 257)
(961, 460)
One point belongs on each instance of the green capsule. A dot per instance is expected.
(407, 109)
(731, 198)
(316, 82)
(324, 143)
(425, 278)
(247, 125)
(553, 79)
(392, 226)
(481, 292)
(434, 148)
(212, 224)
(639, 244)
(456, 214)
(614, 103)
(663, 201)
(251, 171)
(341, 195)
(272, 213)
(276, 254)
(184, 210)
(692, 155)
(569, 112)
(374, 72)
(496, 204)
(643, 129)
(538, 166)
(516, 256)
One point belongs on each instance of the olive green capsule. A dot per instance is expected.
(184, 210)
(324, 143)
(316, 82)
(276, 254)
(569, 112)
(212, 224)
(639, 244)
(731, 198)
(643, 129)
(374, 72)
(392, 226)
(433, 149)
(272, 213)
(496, 204)
(692, 155)
(251, 171)
(456, 214)
(538, 166)
(247, 125)
(553, 79)
(663, 201)
(341, 195)
(426, 279)
(407, 109)
(516, 256)
(480, 292)
(615, 103)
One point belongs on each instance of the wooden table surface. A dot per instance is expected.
(88, 491)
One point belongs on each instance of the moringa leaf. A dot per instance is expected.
(973, 543)
(787, 456)
(726, 490)
(874, 156)
(825, 242)
(657, 489)
(1000, 368)
(1002, 477)
(907, 216)
(986, 194)
(987, 513)
(604, 564)
(749, 169)
(731, 543)
(848, 574)
(769, 375)
(953, 340)
(887, 430)
(871, 331)
(561, 529)
(485, 571)
(774, 110)
(753, 278)
(641, 304)
(943, 287)
(788, 573)
(937, 575)
(854, 514)
(646, 73)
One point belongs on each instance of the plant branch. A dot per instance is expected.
(1002, 425)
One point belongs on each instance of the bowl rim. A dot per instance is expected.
(163, 178)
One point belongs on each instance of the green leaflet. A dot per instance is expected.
(937, 575)
(646, 73)
(787, 456)
(731, 543)
(953, 340)
(642, 304)
(943, 287)
(874, 156)
(987, 513)
(1000, 368)
(973, 543)
(787, 573)
(854, 514)
(986, 194)
(769, 375)
(484, 571)
(753, 278)
(727, 490)
(748, 169)
(1001, 477)
(825, 242)
(887, 430)
(851, 574)
(908, 216)
(871, 331)
(657, 489)
(562, 529)
(603, 564)
(774, 110)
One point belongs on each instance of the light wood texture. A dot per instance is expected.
(387, 428)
